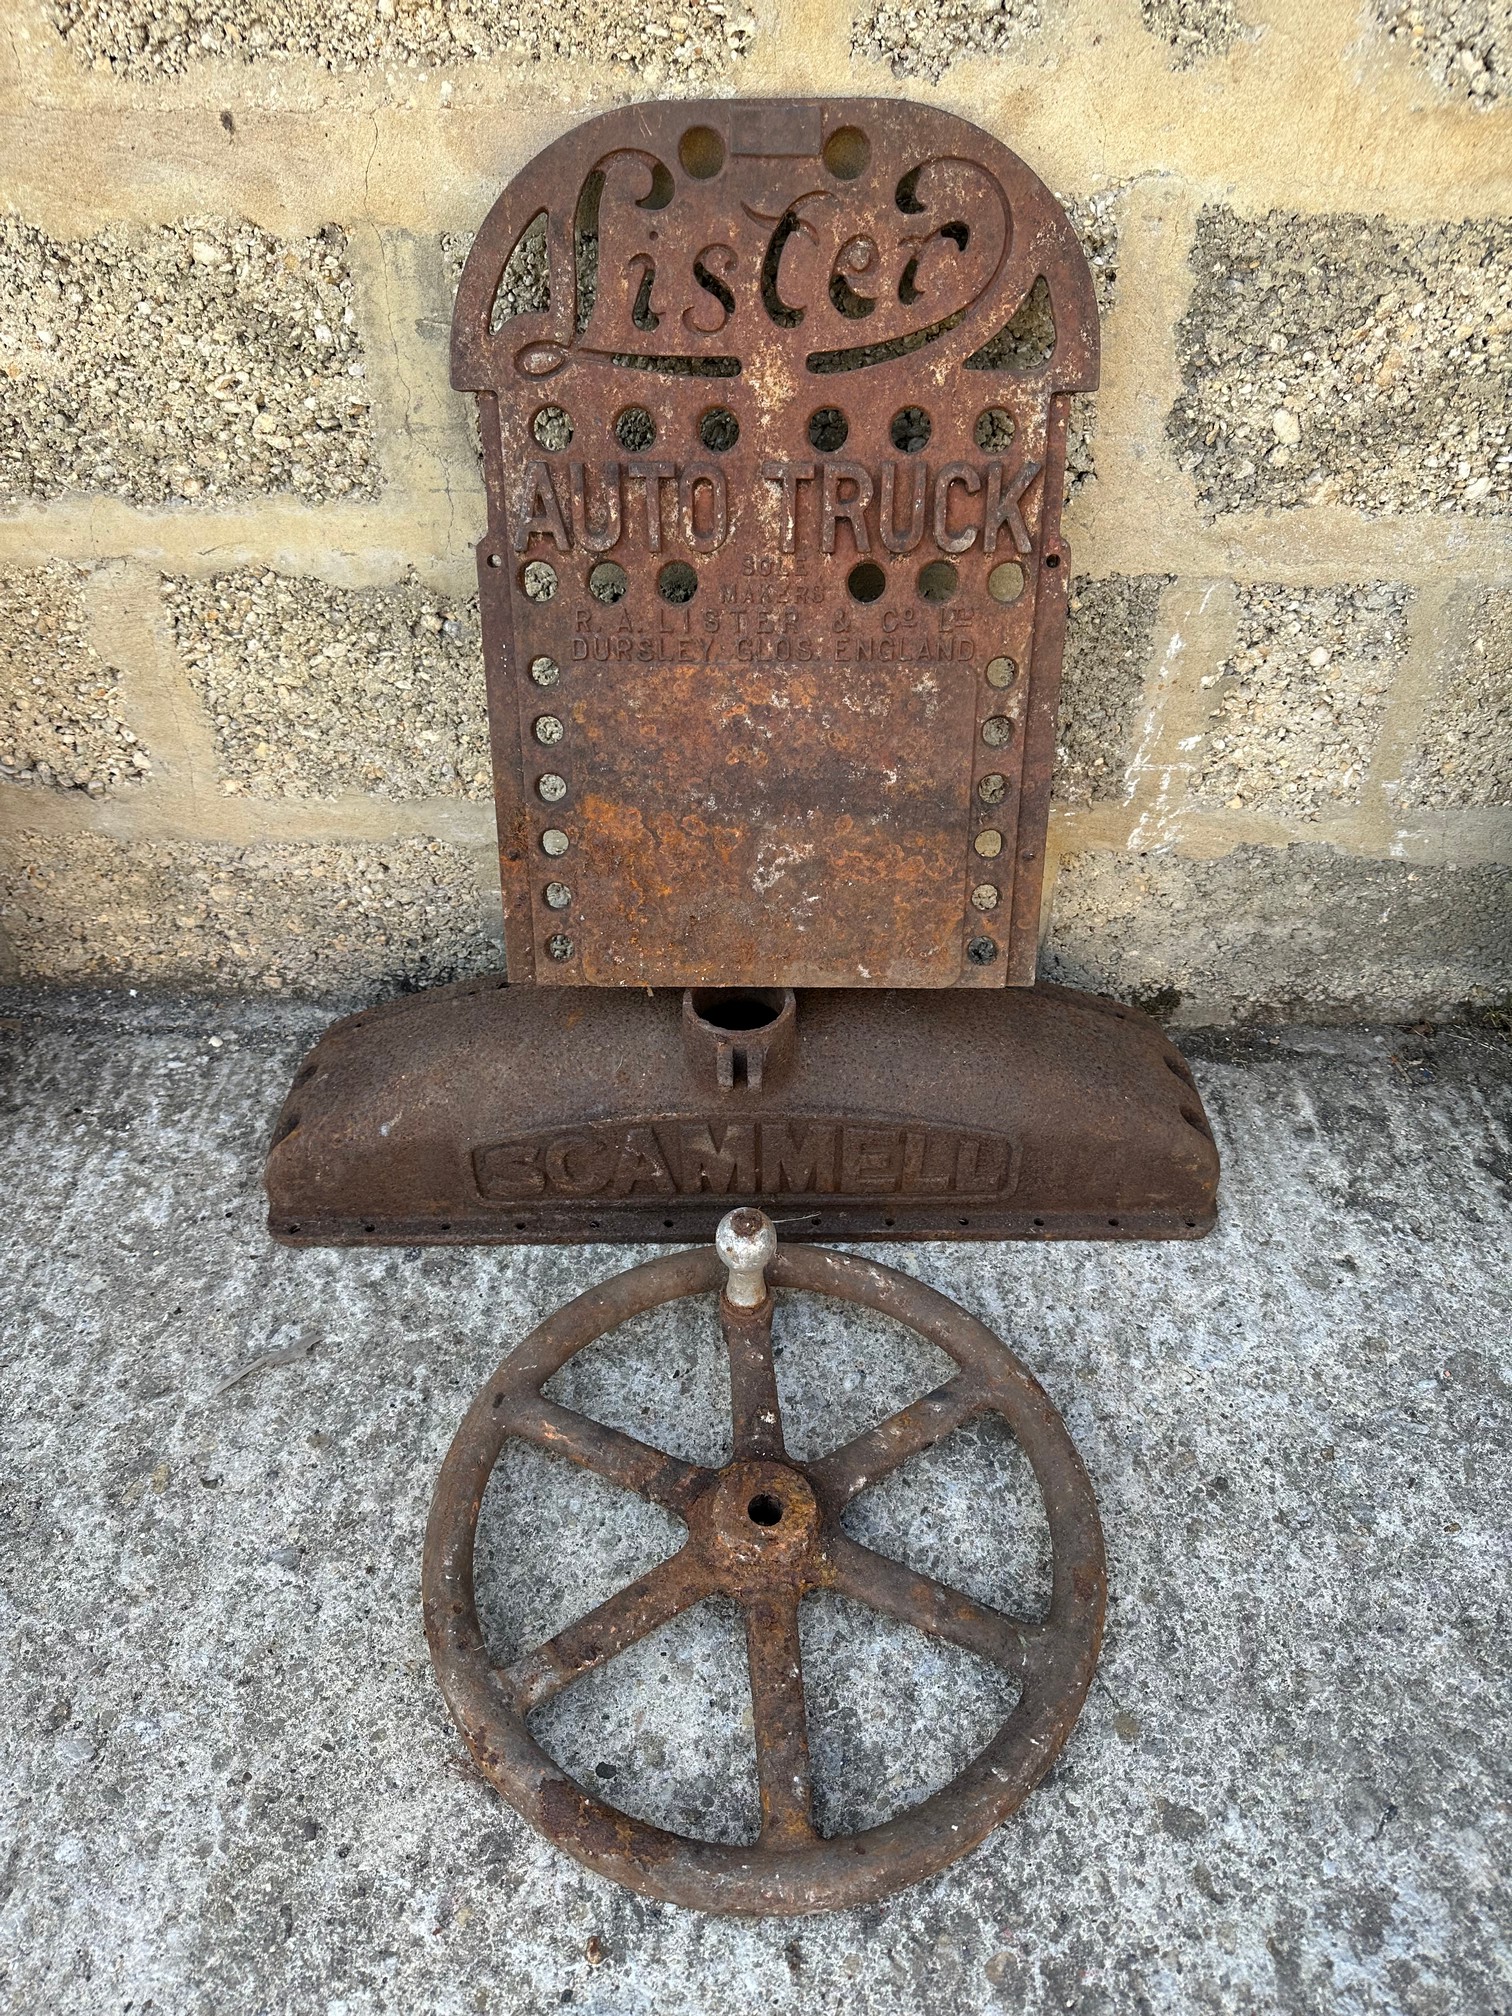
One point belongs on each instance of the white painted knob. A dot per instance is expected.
(746, 1242)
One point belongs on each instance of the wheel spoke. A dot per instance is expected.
(782, 1753)
(754, 1408)
(903, 1593)
(629, 1615)
(634, 1466)
(845, 1471)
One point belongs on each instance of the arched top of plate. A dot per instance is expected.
(781, 239)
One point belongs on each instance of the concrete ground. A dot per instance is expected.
(229, 1783)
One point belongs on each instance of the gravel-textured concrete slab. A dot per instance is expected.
(228, 1781)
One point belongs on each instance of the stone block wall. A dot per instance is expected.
(242, 734)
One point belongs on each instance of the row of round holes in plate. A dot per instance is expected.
(677, 581)
(828, 429)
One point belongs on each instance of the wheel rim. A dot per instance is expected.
(766, 1530)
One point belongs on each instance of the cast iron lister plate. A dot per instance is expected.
(773, 400)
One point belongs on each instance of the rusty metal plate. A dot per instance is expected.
(488, 1112)
(772, 398)
(766, 1530)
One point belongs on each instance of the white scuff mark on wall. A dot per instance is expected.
(1157, 824)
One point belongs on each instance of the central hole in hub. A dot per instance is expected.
(764, 1509)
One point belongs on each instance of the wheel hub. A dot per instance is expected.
(759, 1525)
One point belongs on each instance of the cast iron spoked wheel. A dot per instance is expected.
(765, 1530)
